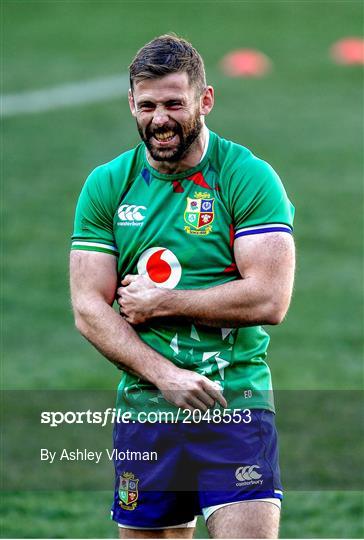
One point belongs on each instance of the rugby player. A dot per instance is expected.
(192, 234)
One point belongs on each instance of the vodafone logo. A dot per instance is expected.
(161, 266)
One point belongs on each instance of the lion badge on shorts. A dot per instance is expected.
(128, 491)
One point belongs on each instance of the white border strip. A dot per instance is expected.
(65, 95)
(207, 511)
(180, 526)
(94, 244)
(268, 226)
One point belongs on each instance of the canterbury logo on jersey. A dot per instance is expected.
(247, 473)
(131, 214)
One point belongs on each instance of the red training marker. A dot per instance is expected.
(348, 51)
(246, 63)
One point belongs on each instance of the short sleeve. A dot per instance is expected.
(93, 226)
(259, 203)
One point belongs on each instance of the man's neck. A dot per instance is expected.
(193, 157)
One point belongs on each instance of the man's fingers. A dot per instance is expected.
(197, 403)
(184, 407)
(213, 390)
(122, 303)
(129, 278)
(122, 292)
(206, 399)
(220, 398)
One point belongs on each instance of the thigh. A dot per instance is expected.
(248, 519)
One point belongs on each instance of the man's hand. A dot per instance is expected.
(93, 286)
(266, 266)
(138, 299)
(189, 390)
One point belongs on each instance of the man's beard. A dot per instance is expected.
(187, 134)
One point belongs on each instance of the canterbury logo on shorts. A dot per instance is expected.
(247, 473)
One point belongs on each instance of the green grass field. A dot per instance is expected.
(305, 118)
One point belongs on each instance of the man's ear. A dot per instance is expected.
(207, 100)
(131, 102)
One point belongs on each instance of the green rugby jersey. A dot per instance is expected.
(179, 230)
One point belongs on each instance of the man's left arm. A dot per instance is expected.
(266, 264)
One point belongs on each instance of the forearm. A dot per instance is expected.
(118, 341)
(93, 286)
(234, 304)
(120, 344)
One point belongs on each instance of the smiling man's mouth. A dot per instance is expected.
(165, 136)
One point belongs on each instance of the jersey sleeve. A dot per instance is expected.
(93, 225)
(259, 203)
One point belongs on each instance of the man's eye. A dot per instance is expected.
(146, 107)
(174, 105)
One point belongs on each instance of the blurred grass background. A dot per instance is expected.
(305, 118)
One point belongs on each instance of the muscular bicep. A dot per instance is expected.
(92, 275)
(269, 261)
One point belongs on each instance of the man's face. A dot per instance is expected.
(168, 115)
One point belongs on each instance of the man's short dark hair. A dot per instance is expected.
(165, 55)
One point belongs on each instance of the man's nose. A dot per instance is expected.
(160, 117)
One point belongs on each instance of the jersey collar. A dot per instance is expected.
(187, 172)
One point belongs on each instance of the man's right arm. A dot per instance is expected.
(93, 277)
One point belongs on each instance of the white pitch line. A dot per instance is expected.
(65, 95)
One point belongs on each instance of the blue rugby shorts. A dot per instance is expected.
(199, 465)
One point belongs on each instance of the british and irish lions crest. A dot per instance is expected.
(128, 491)
(199, 214)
